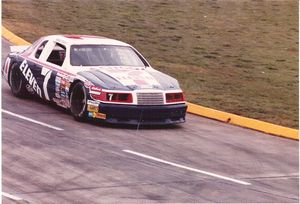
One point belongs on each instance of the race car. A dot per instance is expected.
(95, 77)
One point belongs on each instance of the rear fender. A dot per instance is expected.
(6, 67)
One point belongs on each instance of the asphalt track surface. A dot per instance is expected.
(200, 161)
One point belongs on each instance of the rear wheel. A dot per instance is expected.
(78, 102)
(17, 82)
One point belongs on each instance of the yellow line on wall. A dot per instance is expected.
(204, 111)
(244, 122)
(14, 39)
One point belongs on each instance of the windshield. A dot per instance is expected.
(104, 55)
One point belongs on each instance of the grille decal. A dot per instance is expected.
(150, 99)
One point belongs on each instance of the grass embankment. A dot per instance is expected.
(236, 56)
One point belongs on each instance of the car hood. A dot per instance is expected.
(129, 78)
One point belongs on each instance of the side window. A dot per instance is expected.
(40, 49)
(57, 55)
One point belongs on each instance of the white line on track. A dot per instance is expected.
(187, 168)
(31, 120)
(11, 196)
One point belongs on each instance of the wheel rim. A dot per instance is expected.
(78, 101)
(16, 80)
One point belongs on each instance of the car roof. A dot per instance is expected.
(84, 39)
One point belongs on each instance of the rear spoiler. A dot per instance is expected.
(18, 49)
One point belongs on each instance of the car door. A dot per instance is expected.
(38, 69)
(56, 81)
(46, 64)
(31, 70)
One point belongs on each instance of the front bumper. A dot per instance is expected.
(145, 115)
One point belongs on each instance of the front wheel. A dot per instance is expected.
(17, 82)
(78, 102)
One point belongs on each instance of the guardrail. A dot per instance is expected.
(250, 123)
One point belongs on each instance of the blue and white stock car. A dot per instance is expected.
(95, 77)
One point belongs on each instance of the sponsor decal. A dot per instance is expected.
(92, 108)
(95, 90)
(57, 86)
(62, 102)
(27, 73)
(140, 82)
(97, 115)
(129, 77)
(91, 102)
(62, 87)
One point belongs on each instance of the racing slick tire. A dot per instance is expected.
(78, 101)
(17, 82)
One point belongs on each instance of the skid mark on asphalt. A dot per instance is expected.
(187, 168)
(31, 120)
